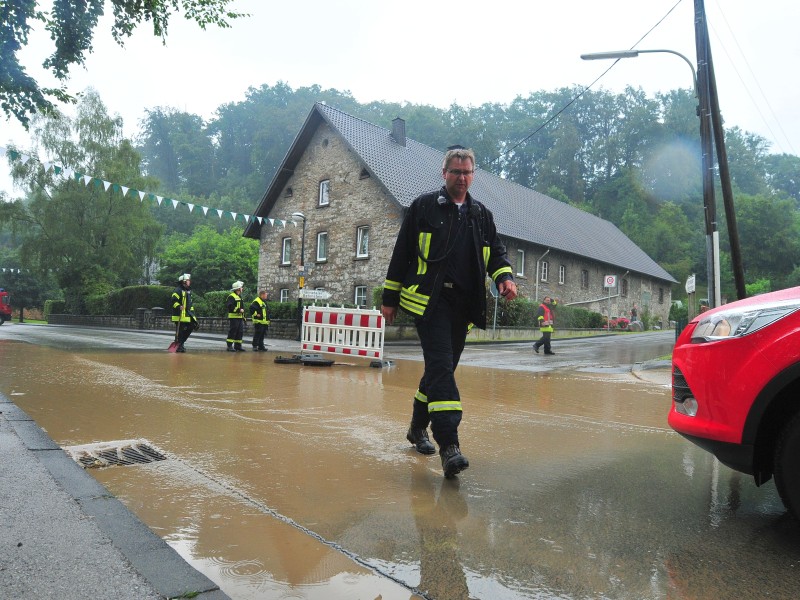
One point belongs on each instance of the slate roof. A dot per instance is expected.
(519, 212)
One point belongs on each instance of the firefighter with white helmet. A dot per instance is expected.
(235, 308)
(183, 311)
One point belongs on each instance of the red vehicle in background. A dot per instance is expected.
(736, 388)
(5, 306)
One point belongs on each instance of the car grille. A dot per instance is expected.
(680, 387)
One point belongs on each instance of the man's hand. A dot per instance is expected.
(507, 289)
(389, 313)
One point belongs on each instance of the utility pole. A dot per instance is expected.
(707, 150)
(711, 125)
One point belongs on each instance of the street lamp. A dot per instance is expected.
(298, 216)
(712, 234)
(617, 54)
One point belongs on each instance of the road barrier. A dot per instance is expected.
(346, 331)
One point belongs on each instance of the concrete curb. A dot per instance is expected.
(168, 574)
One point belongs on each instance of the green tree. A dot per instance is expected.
(783, 174)
(92, 238)
(769, 240)
(71, 26)
(214, 260)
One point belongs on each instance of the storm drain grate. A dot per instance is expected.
(109, 454)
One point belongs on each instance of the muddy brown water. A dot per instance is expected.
(285, 481)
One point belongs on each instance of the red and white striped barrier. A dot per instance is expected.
(347, 331)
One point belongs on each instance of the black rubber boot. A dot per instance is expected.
(419, 437)
(453, 462)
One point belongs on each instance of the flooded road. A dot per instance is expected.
(285, 481)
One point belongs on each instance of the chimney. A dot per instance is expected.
(399, 131)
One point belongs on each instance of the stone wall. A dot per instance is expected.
(147, 319)
(356, 200)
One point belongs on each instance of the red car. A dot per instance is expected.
(736, 388)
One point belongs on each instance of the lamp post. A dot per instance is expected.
(298, 216)
(712, 234)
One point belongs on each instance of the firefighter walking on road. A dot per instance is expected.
(260, 317)
(545, 319)
(233, 304)
(447, 245)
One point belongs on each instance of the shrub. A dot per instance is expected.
(214, 304)
(125, 301)
(55, 307)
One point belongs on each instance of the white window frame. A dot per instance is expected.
(584, 279)
(322, 246)
(284, 295)
(325, 192)
(286, 251)
(356, 291)
(521, 262)
(545, 271)
(562, 274)
(362, 239)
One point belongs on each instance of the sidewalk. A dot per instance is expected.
(62, 535)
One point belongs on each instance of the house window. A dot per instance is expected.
(584, 279)
(362, 242)
(545, 269)
(286, 251)
(661, 295)
(562, 274)
(324, 192)
(284, 294)
(521, 263)
(360, 295)
(624, 290)
(322, 246)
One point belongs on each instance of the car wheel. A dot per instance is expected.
(786, 469)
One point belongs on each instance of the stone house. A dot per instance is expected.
(352, 180)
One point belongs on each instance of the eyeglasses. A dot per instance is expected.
(459, 172)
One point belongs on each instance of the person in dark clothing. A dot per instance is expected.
(545, 318)
(233, 304)
(183, 311)
(446, 246)
(260, 318)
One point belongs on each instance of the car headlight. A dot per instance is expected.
(738, 322)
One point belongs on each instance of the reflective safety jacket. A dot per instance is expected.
(545, 315)
(182, 309)
(258, 311)
(233, 305)
(417, 269)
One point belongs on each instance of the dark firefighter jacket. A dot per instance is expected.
(419, 261)
(258, 311)
(233, 305)
(182, 309)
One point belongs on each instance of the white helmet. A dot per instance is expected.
(237, 285)
(184, 277)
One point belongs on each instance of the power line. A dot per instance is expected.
(755, 79)
(587, 88)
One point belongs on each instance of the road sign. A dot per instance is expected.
(690, 284)
(314, 294)
(610, 281)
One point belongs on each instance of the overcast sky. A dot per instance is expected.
(438, 53)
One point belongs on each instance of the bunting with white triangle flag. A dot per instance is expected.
(72, 175)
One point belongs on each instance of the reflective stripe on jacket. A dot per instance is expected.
(182, 309)
(258, 311)
(234, 305)
(417, 268)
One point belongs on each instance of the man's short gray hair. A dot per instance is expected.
(460, 154)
